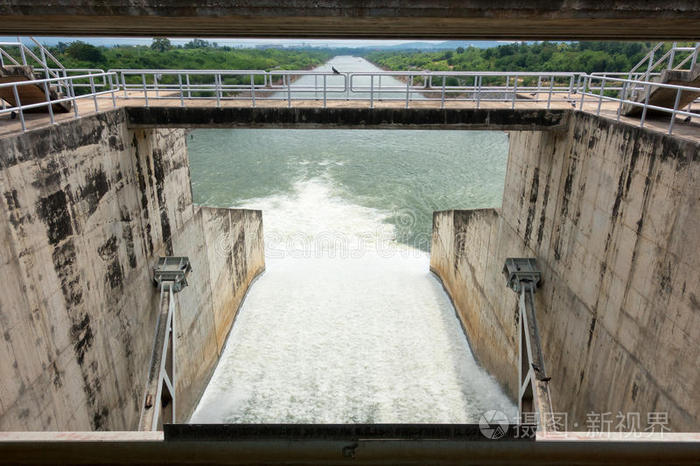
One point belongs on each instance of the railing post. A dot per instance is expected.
(111, 88)
(583, 91)
(371, 91)
(515, 91)
(19, 107)
(145, 91)
(21, 51)
(672, 55)
(252, 88)
(694, 60)
(43, 62)
(478, 92)
(622, 99)
(75, 100)
(94, 96)
(675, 109)
(182, 93)
(48, 100)
(600, 97)
(651, 63)
(408, 89)
(187, 82)
(126, 96)
(646, 102)
(324, 90)
(442, 99)
(217, 82)
(289, 91)
(551, 88)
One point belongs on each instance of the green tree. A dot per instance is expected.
(161, 44)
(197, 44)
(460, 49)
(85, 52)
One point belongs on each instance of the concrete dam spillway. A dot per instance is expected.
(347, 317)
(608, 209)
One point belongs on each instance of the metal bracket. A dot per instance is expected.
(170, 275)
(521, 270)
(523, 277)
(172, 269)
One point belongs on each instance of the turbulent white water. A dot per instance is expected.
(346, 325)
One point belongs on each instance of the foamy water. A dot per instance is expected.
(346, 325)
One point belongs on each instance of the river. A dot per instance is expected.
(347, 324)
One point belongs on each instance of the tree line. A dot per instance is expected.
(196, 54)
(201, 54)
(585, 57)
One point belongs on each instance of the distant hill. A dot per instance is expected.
(445, 45)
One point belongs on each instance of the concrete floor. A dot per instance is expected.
(88, 106)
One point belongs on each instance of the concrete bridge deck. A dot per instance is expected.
(445, 19)
(500, 115)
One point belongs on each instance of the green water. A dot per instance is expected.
(347, 324)
(403, 175)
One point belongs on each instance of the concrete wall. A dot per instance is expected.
(86, 209)
(611, 212)
(347, 118)
(360, 19)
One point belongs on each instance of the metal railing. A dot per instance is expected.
(511, 88)
(590, 90)
(223, 85)
(465, 86)
(50, 87)
(408, 86)
(666, 61)
(25, 55)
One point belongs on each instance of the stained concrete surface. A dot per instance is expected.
(361, 19)
(87, 207)
(611, 213)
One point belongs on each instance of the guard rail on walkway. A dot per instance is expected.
(516, 89)
(99, 84)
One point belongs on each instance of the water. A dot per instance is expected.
(386, 87)
(347, 324)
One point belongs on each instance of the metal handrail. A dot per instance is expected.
(667, 59)
(254, 85)
(645, 105)
(66, 82)
(24, 51)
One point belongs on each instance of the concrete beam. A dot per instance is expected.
(421, 19)
(346, 117)
(326, 444)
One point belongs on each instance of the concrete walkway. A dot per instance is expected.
(87, 106)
